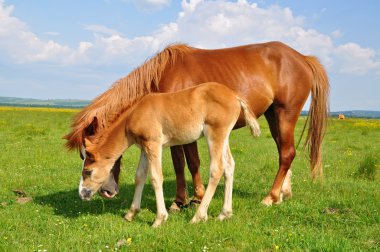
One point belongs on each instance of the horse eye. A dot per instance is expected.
(89, 156)
(88, 172)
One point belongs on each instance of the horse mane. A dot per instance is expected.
(123, 94)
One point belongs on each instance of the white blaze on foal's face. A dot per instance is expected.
(96, 174)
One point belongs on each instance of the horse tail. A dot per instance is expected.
(317, 116)
(250, 118)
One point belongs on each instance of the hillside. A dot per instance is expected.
(357, 114)
(58, 103)
(72, 103)
(353, 113)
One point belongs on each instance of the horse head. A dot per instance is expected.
(100, 173)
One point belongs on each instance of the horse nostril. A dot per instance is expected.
(86, 193)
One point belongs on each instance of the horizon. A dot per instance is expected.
(76, 50)
(42, 105)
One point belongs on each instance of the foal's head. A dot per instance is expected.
(100, 172)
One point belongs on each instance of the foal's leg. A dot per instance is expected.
(193, 162)
(140, 178)
(228, 184)
(155, 170)
(286, 190)
(215, 141)
(286, 121)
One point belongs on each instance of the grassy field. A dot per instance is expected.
(340, 214)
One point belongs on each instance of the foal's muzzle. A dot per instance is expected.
(109, 190)
(85, 194)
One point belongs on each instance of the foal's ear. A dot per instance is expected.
(92, 128)
(87, 142)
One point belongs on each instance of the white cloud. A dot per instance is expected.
(201, 23)
(337, 34)
(150, 5)
(101, 29)
(357, 60)
(19, 45)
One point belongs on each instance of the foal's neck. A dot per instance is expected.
(117, 139)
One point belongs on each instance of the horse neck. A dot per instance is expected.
(123, 94)
(116, 141)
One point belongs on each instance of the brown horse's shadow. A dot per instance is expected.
(69, 205)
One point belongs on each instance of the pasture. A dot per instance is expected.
(342, 213)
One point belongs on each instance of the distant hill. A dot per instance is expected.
(54, 103)
(72, 103)
(357, 113)
(353, 113)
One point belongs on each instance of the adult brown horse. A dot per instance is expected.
(273, 78)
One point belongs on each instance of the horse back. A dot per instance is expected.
(262, 74)
(180, 117)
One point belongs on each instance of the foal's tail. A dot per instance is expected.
(250, 118)
(318, 114)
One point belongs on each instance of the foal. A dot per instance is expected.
(161, 120)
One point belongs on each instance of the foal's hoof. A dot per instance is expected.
(131, 214)
(224, 215)
(197, 219)
(160, 220)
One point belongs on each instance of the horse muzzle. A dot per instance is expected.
(86, 194)
(109, 192)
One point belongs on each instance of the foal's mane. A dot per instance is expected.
(124, 93)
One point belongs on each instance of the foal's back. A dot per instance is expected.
(180, 117)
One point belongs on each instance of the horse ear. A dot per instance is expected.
(87, 142)
(92, 128)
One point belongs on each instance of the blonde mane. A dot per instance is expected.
(125, 92)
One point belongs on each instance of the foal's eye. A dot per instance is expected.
(89, 156)
(88, 172)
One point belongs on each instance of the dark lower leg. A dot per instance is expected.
(179, 168)
(282, 129)
(287, 155)
(193, 162)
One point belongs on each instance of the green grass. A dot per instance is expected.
(340, 214)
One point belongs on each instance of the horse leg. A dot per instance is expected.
(140, 178)
(215, 143)
(179, 168)
(228, 184)
(282, 124)
(155, 171)
(193, 163)
(286, 190)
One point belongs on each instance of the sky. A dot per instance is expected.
(76, 49)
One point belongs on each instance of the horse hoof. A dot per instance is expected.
(197, 219)
(267, 201)
(194, 203)
(194, 220)
(160, 220)
(224, 216)
(176, 207)
(128, 217)
(131, 214)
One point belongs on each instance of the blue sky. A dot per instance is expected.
(77, 49)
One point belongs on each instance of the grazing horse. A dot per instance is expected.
(161, 120)
(274, 79)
